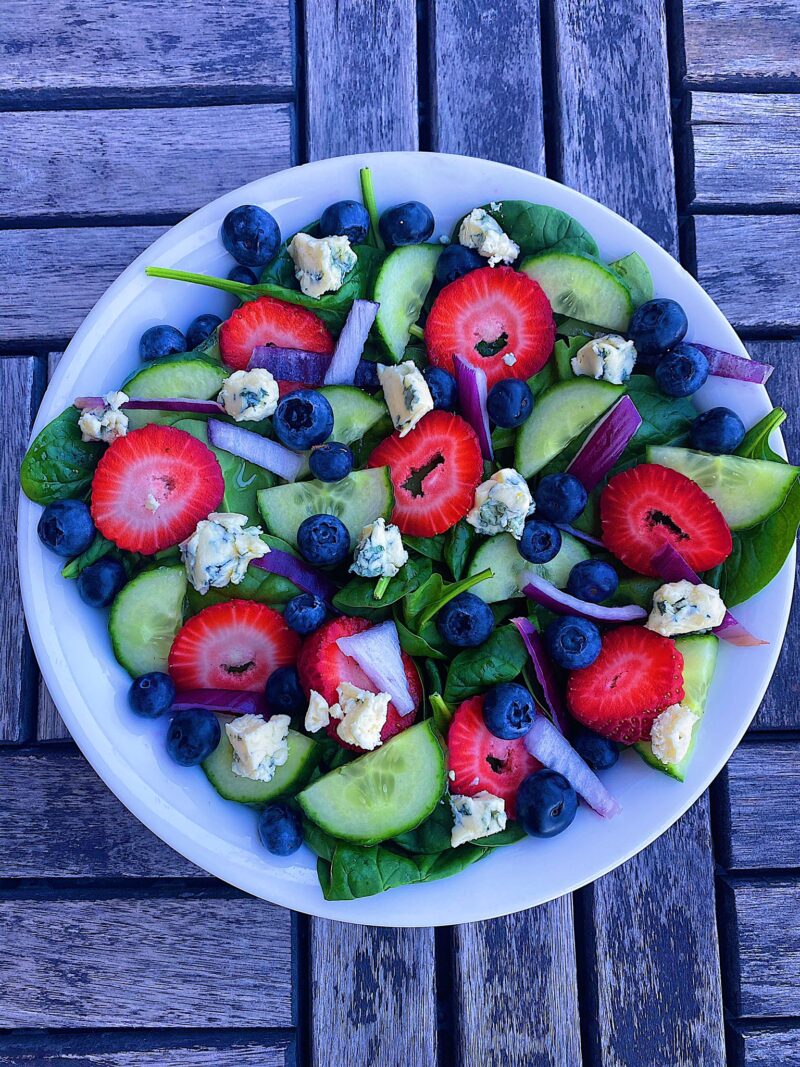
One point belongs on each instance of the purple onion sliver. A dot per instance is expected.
(378, 654)
(563, 603)
(344, 361)
(222, 700)
(573, 531)
(543, 669)
(472, 393)
(86, 403)
(732, 631)
(606, 443)
(199, 407)
(255, 449)
(727, 365)
(552, 749)
(290, 364)
(303, 575)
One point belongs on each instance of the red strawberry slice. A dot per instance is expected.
(268, 321)
(434, 471)
(496, 307)
(637, 674)
(235, 645)
(323, 666)
(153, 486)
(648, 506)
(480, 760)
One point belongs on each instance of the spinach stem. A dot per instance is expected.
(416, 331)
(240, 289)
(368, 196)
(442, 715)
(453, 591)
(381, 587)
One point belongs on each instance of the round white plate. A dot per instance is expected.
(89, 688)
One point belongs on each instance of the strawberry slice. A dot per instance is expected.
(648, 506)
(267, 321)
(637, 674)
(234, 645)
(153, 486)
(480, 760)
(323, 666)
(434, 471)
(487, 314)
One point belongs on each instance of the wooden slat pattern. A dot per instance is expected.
(741, 42)
(755, 1045)
(130, 1051)
(762, 790)
(486, 82)
(152, 161)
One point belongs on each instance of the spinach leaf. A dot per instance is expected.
(457, 548)
(543, 379)
(760, 552)
(498, 659)
(415, 644)
(512, 833)
(59, 465)
(442, 714)
(540, 228)
(453, 862)
(362, 872)
(97, 549)
(358, 595)
(324, 875)
(432, 835)
(432, 547)
(432, 676)
(635, 590)
(562, 355)
(755, 444)
(320, 843)
(259, 585)
(666, 420)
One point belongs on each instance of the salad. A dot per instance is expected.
(406, 550)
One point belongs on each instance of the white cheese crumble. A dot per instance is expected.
(362, 714)
(509, 359)
(249, 395)
(259, 746)
(320, 713)
(220, 549)
(477, 816)
(684, 608)
(151, 503)
(480, 231)
(672, 733)
(610, 357)
(321, 263)
(105, 423)
(502, 503)
(379, 551)
(406, 393)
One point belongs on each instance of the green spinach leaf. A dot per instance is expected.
(458, 544)
(499, 659)
(510, 836)
(755, 444)
(416, 644)
(59, 464)
(540, 228)
(320, 843)
(442, 714)
(358, 595)
(760, 552)
(362, 872)
(97, 549)
(431, 836)
(432, 547)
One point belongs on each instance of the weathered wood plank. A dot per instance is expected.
(608, 56)
(162, 963)
(373, 996)
(486, 82)
(762, 793)
(765, 1045)
(64, 51)
(515, 990)
(746, 148)
(131, 1050)
(371, 46)
(148, 161)
(59, 820)
(741, 42)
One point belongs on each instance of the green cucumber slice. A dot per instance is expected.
(746, 491)
(186, 375)
(635, 273)
(501, 554)
(582, 288)
(381, 794)
(561, 413)
(401, 286)
(357, 500)
(354, 415)
(287, 780)
(145, 617)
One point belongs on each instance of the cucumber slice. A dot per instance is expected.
(401, 286)
(502, 555)
(562, 412)
(357, 500)
(699, 653)
(381, 794)
(287, 780)
(187, 375)
(145, 617)
(354, 415)
(746, 491)
(635, 273)
(582, 288)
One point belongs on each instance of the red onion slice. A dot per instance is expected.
(172, 403)
(551, 748)
(472, 394)
(544, 671)
(290, 364)
(563, 603)
(223, 700)
(727, 365)
(377, 652)
(344, 361)
(255, 449)
(606, 443)
(580, 535)
(303, 575)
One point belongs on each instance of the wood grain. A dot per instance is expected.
(741, 42)
(765, 1045)
(762, 789)
(515, 990)
(486, 82)
(373, 997)
(361, 76)
(146, 162)
(163, 963)
(130, 1050)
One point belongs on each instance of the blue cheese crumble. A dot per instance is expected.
(105, 423)
(321, 263)
(259, 745)
(320, 713)
(362, 716)
(610, 358)
(249, 395)
(379, 551)
(219, 551)
(480, 231)
(475, 817)
(684, 608)
(406, 393)
(502, 503)
(672, 733)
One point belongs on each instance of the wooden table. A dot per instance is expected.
(118, 118)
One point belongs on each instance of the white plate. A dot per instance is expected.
(179, 805)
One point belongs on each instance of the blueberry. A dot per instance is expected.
(280, 828)
(465, 621)
(540, 541)
(508, 711)
(302, 419)
(201, 328)
(456, 261)
(66, 527)
(598, 752)
(284, 692)
(682, 371)
(345, 218)
(406, 224)
(331, 462)
(305, 613)
(243, 275)
(100, 582)
(152, 694)
(192, 736)
(323, 539)
(546, 803)
(657, 326)
(251, 235)
(719, 430)
(509, 403)
(442, 385)
(161, 341)
(572, 642)
(592, 580)
(366, 377)
(560, 497)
